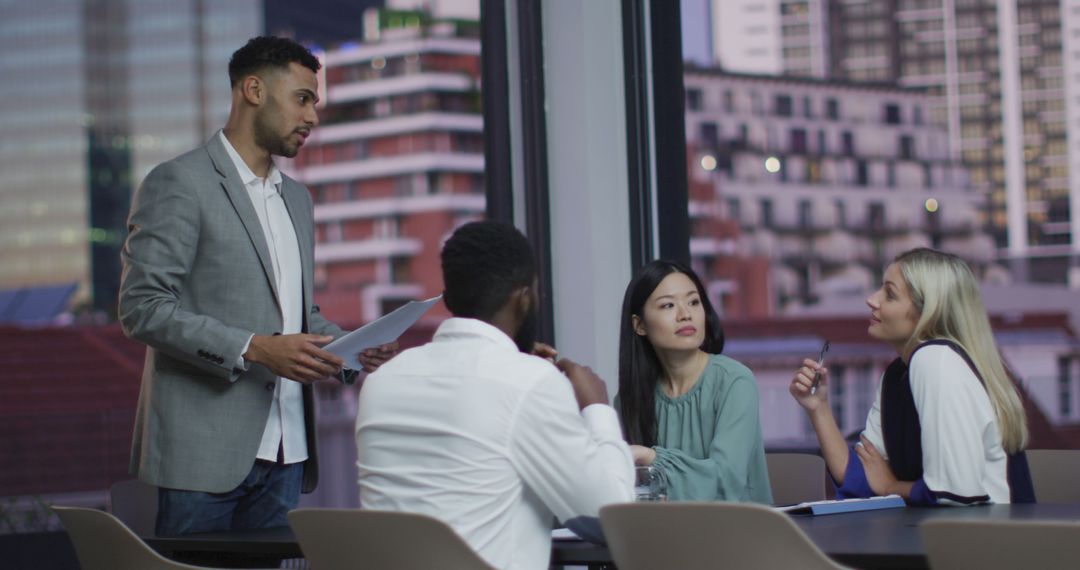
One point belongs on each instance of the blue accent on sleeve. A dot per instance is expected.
(855, 483)
(921, 494)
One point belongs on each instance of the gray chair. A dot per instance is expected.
(102, 542)
(1000, 545)
(345, 539)
(1054, 473)
(796, 477)
(135, 503)
(689, 536)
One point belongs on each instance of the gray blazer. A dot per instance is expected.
(197, 282)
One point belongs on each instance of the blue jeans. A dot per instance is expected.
(262, 500)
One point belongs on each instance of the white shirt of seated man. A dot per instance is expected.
(472, 431)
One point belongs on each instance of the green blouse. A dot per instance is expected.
(709, 442)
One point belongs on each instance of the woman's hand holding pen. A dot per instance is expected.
(802, 384)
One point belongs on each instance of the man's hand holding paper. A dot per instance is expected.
(371, 345)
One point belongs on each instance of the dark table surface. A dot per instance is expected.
(886, 538)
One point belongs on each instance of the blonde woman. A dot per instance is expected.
(948, 426)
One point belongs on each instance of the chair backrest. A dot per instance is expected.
(339, 539)
(102, 542)
(135, 503)
(796, 477)
(645, 536)
(1054, 473)
(994, 545)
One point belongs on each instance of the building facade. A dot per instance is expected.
(396, 164)
(1002, 80)
(100, 92)
(97, 94)
(996, 73)
(828, 181)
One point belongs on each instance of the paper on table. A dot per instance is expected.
(380, 331)
(564, 534)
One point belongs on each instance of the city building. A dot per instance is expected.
(100, 92)
(758, 36)
(996, 72)
(747, 36)
(1002, 80)
(804, 38)
(826, 181)
(396, 164)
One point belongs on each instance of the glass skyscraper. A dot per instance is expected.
(95, 95)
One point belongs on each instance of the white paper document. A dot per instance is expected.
(380, 331)
(564, 534)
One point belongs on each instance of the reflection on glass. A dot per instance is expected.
(650, 484)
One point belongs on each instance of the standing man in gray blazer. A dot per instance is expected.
(217, 282)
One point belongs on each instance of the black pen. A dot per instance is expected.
(817, 373)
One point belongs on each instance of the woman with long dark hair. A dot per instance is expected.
(948, 425)
(684, 407)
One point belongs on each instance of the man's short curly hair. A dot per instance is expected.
(269, 52)
(483, 263)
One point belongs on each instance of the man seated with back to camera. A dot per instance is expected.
(474, 430)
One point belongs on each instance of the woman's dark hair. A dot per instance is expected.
(639, 368)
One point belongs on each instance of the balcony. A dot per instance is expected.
(979, 248)
(881, 227)
(398, 206)
(402, 47)
(368, 249)
(387, 166)
(420, 83)
(435, 121)
(837, 247)
(806, 227)
(898, 245)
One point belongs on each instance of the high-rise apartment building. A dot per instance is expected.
(396, 164)
(758, 36)
(998, 72)
(827, 180)
(804, 37)
(99, 92)
(746, 35)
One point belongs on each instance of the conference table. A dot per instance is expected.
(887, 538)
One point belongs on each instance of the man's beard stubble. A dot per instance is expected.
(526, 334)
(266, 137)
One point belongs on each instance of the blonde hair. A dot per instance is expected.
(946, 295)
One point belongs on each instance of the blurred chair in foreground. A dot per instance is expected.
(1000, 545)
(102, 542)
(688, 536)
(340, 539)
(1054, 473)
(796, 477)
(135, 503)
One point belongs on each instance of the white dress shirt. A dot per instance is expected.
(285, 424)
(961, 442)
(471, 431)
